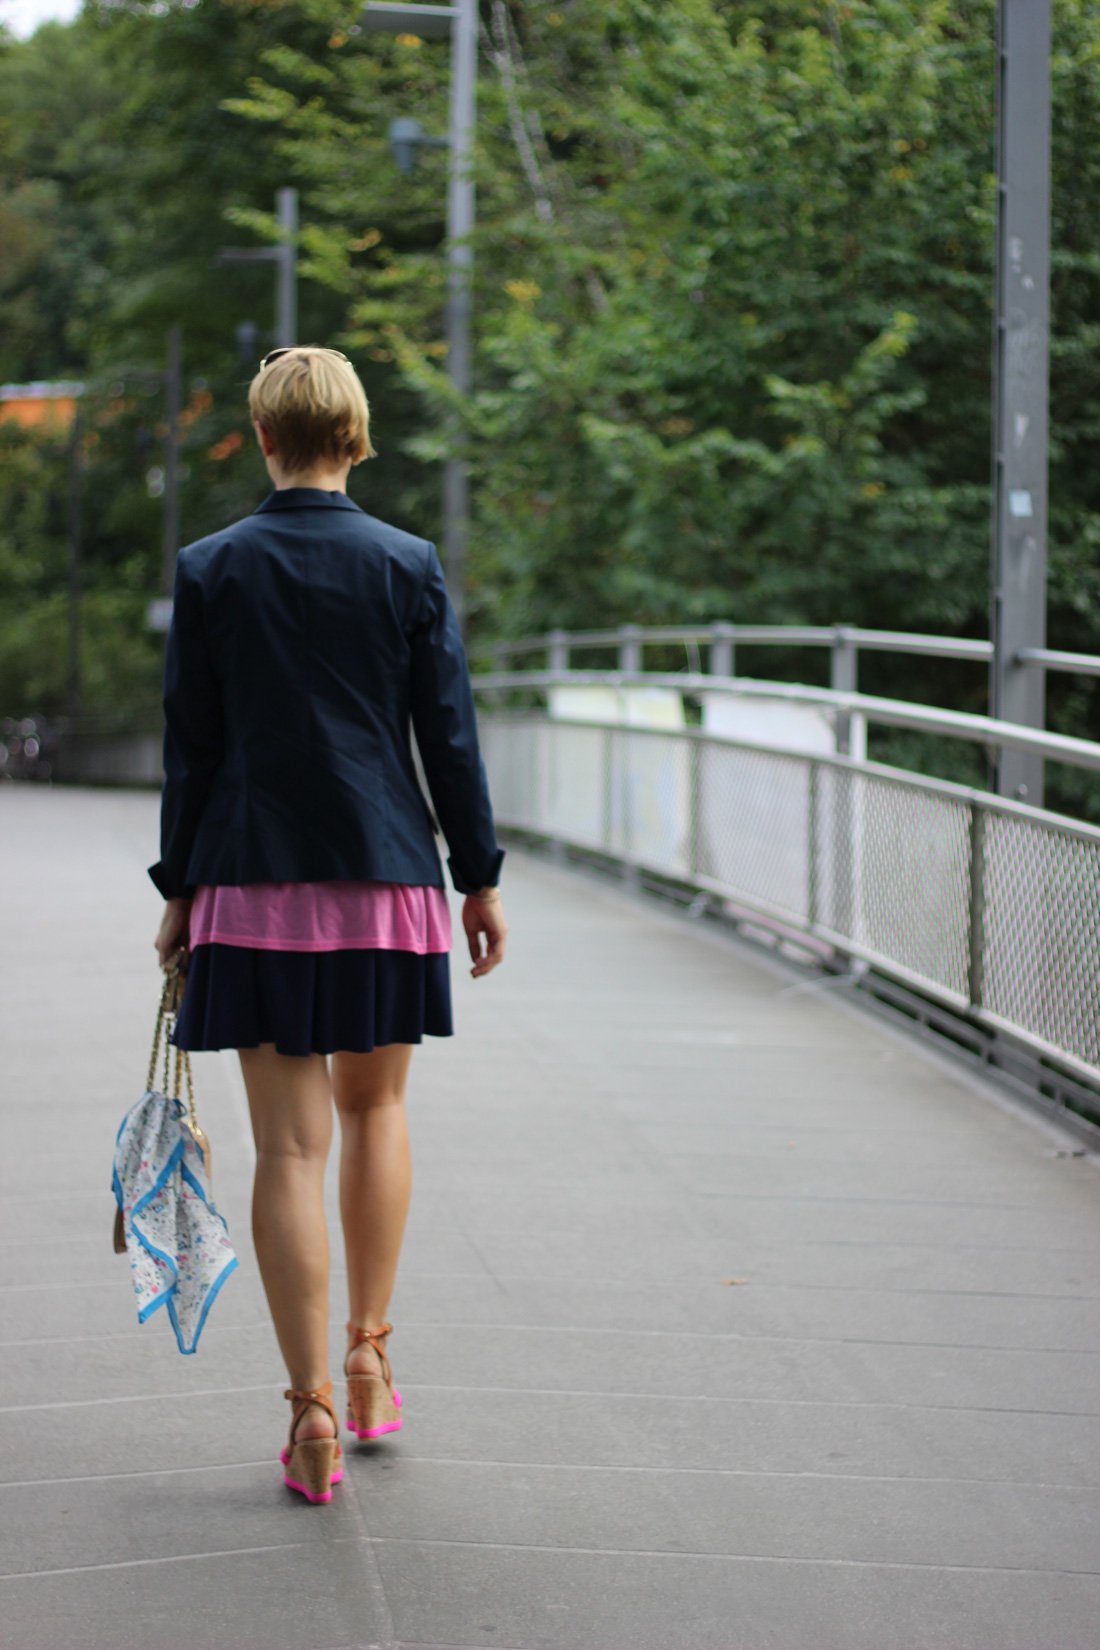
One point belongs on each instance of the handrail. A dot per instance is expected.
(974, 649)
(898, 713)
(903, 641)
(1085, 664)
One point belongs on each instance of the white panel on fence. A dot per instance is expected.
(630, 795)
(805, 729)
(633, 707)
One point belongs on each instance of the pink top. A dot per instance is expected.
(323, 916)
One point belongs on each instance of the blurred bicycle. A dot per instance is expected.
(26, 749)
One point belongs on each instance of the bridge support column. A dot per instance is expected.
(1021, 347)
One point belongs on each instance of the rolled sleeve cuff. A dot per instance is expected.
(474, 885)
(164, 884)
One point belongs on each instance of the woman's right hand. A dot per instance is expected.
(483, 920)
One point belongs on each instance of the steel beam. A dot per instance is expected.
(1021, 350)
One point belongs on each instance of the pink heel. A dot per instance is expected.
(312, 1465)
(374, 1403)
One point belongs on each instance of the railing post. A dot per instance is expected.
(721, 649)
(557, 659)
(558, 645)
(813, 805)
(976, 972)
(554, 732)
(843, 678)
(624, 740)
(609, 790)
(695, 807)
(630, 649)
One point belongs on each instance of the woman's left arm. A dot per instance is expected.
(194, 735)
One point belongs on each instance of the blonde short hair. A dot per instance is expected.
(312, 405)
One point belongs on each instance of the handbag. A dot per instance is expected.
(166, 1220)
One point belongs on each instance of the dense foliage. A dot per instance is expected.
(734, 267)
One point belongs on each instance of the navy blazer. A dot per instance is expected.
(303, 641)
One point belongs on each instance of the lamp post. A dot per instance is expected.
(285, 258)
(73, 696)
(1021, 348)
(173, 394)
(459, 21)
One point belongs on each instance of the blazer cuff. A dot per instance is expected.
(164, 884)
(467, 885)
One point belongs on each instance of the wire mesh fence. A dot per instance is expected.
(988, 905)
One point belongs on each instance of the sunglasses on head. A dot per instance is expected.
(289, 349)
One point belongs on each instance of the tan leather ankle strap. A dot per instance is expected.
(377, 1339)
(358, 1336)
(303, 1398)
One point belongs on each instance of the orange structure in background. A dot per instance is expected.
(44, 406)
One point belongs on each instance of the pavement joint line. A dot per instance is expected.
(113, 1477)
(887, 1202)
(110, 1339)
(736, 1337)
(757, 1287)
(776, 1243)
(167, 1558)
(60, 1197)
(725, 1558)
(584, 1392)
(731, 1472)
(406, 1457)
(369, 1541)
(375, 1582)
(138, 1398)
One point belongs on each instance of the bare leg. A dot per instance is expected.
(375, 1180)
(290, 1100)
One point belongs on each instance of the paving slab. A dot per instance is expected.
(726, 1316)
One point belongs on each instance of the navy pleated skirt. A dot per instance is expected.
(313, 1002)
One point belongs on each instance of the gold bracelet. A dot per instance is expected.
(490, 898)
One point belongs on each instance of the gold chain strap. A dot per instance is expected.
(162, 1047)
(165, 1001)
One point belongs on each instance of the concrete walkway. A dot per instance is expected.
(726, 1318)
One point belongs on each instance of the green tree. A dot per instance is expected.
(732, 293)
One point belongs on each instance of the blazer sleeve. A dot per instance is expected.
(445, 724)
(194, 736)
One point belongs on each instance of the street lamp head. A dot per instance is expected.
(429, 22)
(247, 335)
(405, 136)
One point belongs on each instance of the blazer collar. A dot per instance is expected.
(306, 498)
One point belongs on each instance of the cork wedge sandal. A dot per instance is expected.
(374, 1403)
(312, 1465)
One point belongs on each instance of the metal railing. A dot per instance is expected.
(986, 905)
(897, 713)
(844, 642)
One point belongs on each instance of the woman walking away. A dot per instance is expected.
(299, 864)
